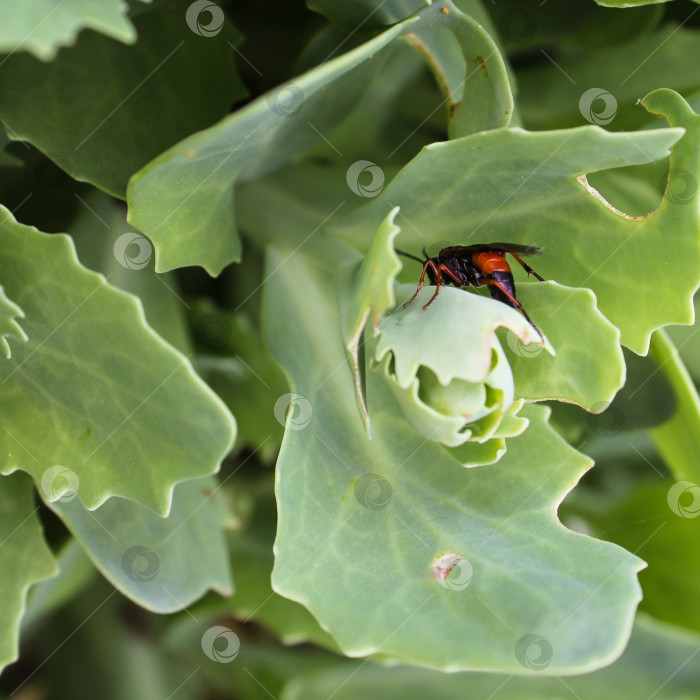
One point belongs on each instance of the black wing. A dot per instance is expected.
(458, 250)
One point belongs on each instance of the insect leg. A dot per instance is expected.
(440, 269)
(514, 302)
(526, 267)
(428, 263)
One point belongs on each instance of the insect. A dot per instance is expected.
(476, 265)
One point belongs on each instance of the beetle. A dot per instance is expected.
(476, 265)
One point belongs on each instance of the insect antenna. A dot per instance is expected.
(408, 255)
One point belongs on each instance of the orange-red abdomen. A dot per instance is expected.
(491, 262)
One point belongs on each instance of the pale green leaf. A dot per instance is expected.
(163, 564)
(470, 71)
(363, 520)
(587, 370)
(251, 561)
(107, 244)
(366, 292)
(25, 558)
(411, 331)
(94, 400)
(43, 26)
(660, 663)
(183, 200)
(525, 187)
(75, 571)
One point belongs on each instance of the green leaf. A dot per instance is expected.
(603, 86)
(678, 439)
(163, 564)
(110, 651)
(201, 170)
(251, 560)
(525, 187)
(277, 127)
(628, 3)
(367, 520)
(658, 519)
(107, 244)
(587, 373)
(367, 291)
(646, 400)
(261, 666)
(687, 340)
(235, 363)
(75, 571)
(128, 103)
(451, 397)
(470, 71)
(660, 663)
(42, 26)
(9, 312)
(410, 333)
(94, 399)
(25, 558)
(352, 15)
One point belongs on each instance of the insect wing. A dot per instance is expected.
(468, 250)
